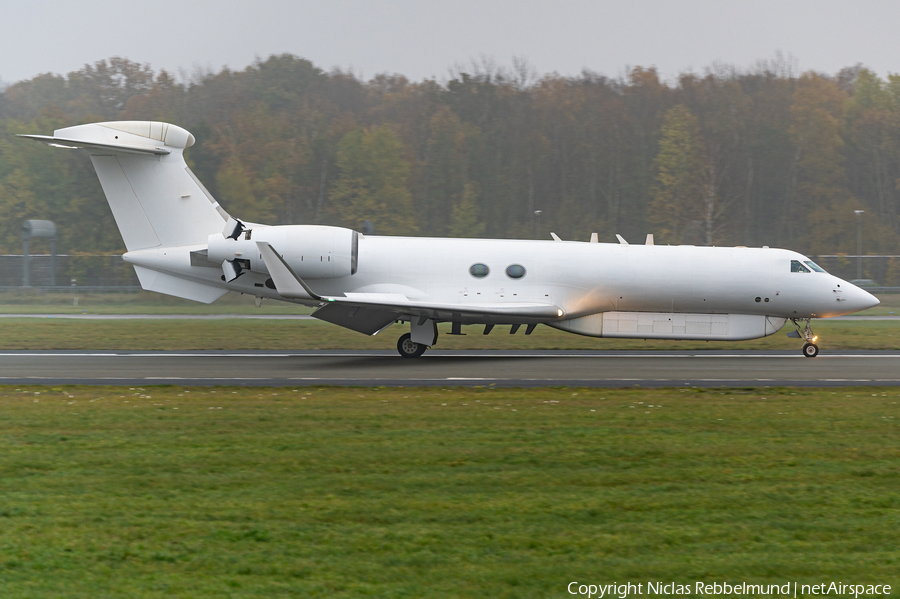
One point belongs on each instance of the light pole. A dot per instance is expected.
(537, 224)
(859, 214)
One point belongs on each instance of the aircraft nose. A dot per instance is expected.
(859, 299)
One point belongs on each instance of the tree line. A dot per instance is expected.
(761, 156)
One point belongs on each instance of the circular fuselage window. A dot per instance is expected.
(479, 271)
(515, 271)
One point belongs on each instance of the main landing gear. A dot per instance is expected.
(409, 348)
(423, 333)
(810, 349)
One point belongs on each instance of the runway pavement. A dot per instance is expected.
(452, 368)
(88, 316)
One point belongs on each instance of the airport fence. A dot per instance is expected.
(94, 273)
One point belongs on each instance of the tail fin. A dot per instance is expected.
(155, 198)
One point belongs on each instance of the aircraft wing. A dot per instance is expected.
(62, 142)
(370, 312)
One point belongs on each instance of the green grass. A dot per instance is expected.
(34, 301)
(113, 492)
(890, 304)
(60, 333)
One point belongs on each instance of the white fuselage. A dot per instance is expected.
(580, 278)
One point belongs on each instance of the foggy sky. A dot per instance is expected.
(423, 39)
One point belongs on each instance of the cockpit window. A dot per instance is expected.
(814, 266)
(797, 267)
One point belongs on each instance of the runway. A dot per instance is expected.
(88, 316)
(452, 368)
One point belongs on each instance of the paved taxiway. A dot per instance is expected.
(437, 368)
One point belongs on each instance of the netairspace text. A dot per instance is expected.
(789, 589)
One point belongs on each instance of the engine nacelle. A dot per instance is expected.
(312, 251)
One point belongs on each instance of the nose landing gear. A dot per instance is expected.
(810, 349)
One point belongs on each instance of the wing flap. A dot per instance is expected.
(368, 321)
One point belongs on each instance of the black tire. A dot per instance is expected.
(810, 350)
(409, 348)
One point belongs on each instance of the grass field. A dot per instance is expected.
(60, 333)
(142, 302)
(170, 492)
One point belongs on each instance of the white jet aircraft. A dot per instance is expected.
(182, 243)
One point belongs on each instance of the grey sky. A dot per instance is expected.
(422, 39)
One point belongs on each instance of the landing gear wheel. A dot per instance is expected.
(409, 348)
(810, 349)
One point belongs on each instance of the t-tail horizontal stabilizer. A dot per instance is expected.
(153, 195)
(71, 144)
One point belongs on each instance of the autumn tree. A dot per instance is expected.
(466, 219)
(820, 209)
(760, 156)
(237, 194)
(720, 106)
(679, 195)
(372, 184)
(872, 134)
(444, 172)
